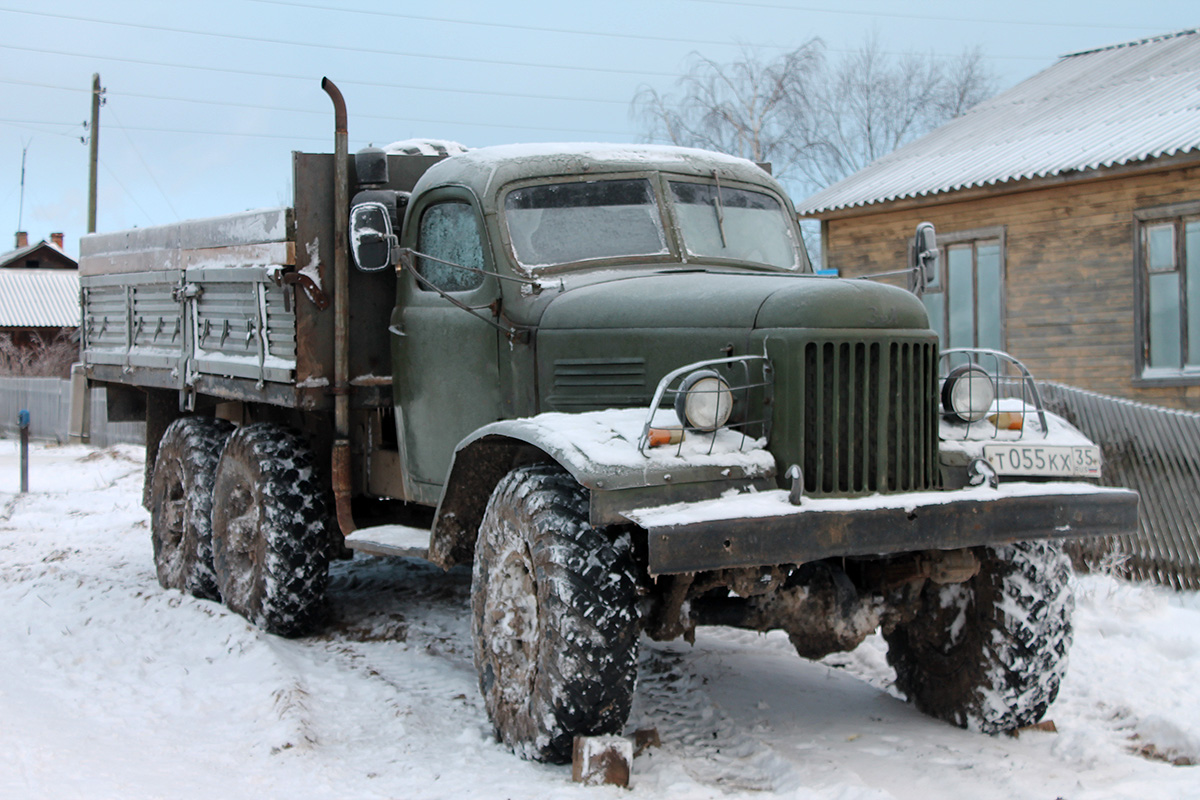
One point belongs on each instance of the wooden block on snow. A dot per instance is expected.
(601, 760)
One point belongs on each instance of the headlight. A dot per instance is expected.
(968, 393)
(704, 401)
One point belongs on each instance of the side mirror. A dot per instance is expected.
(372, 242)
(923, 259)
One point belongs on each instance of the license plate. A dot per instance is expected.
(1047, 460)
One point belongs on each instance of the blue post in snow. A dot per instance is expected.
(23, 424)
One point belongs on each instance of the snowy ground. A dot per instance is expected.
(111, 687)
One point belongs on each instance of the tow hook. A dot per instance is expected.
(796, 493)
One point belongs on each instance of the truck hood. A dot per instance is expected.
(723, 299)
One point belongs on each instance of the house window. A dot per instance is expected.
(1168, 249)
(966, 300)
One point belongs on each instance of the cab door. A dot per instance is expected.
(446, 380)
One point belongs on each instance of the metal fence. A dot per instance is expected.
(1157, 452)
(48, 401)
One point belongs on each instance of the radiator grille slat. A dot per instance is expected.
(869, 417)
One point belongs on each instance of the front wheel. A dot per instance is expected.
(554, 617)
(990, 654)
(269, 518)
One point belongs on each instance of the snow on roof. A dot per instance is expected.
(488, 168)
(39, 298)
(1098, 108)
(604, 153)
(425, 147)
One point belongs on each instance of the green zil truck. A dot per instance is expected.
(608, 378)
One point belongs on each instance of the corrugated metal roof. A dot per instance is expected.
(1099, 108)
(39, 298)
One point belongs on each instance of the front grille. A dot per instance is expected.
(869, 417)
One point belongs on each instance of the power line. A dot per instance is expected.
(113, 174)
(406, 87)
(926, 17)
(401, 120)
(25, 124)
(356, 49)
(636, 37)
(113, 113)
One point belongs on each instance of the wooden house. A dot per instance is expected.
(1068, 219)
(43, 255)
(39, 309)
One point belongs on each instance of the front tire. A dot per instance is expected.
(554, 616)
(270, 541)
(180, 503)
(989, 654)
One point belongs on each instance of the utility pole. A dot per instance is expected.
(94, 151)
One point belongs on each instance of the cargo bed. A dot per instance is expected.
(236, 307)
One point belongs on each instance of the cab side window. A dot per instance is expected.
(449, 233)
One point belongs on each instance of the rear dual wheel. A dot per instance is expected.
(269, 527)
(181, 504)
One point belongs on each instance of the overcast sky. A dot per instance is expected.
(204, 101)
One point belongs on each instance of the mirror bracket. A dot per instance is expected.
(923, 258)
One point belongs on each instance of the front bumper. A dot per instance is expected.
(763, 528)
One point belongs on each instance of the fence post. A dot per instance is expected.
(23, 424)
(79, 424)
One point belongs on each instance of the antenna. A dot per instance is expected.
(21, 207)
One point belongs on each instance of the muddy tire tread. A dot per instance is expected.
(287, 592)
(586, 588)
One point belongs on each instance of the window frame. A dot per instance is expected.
(652, 177)
(1178, 215)
(802, 266)
(417, 219)
(972, 236)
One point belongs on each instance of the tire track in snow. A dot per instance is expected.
(709, 745)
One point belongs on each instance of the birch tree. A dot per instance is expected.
(815, 119)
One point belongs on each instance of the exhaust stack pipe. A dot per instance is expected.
(341, 468)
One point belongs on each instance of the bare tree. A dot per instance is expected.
(816, 121)
(746, 108)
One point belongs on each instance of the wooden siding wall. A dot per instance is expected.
(1069, 271)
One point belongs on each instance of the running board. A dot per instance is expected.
(390, 540)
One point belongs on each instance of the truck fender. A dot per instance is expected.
(479, 462)
(598, 449)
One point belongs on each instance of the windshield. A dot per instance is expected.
(736, 224)
(561, 223)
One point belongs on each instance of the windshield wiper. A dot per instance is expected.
(720, 210)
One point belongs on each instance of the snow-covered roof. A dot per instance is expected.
(39, 298)
(425, 147)
(488, 168)
(19, 256)
(1099, 108)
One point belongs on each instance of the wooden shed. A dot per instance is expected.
(1068, 216)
